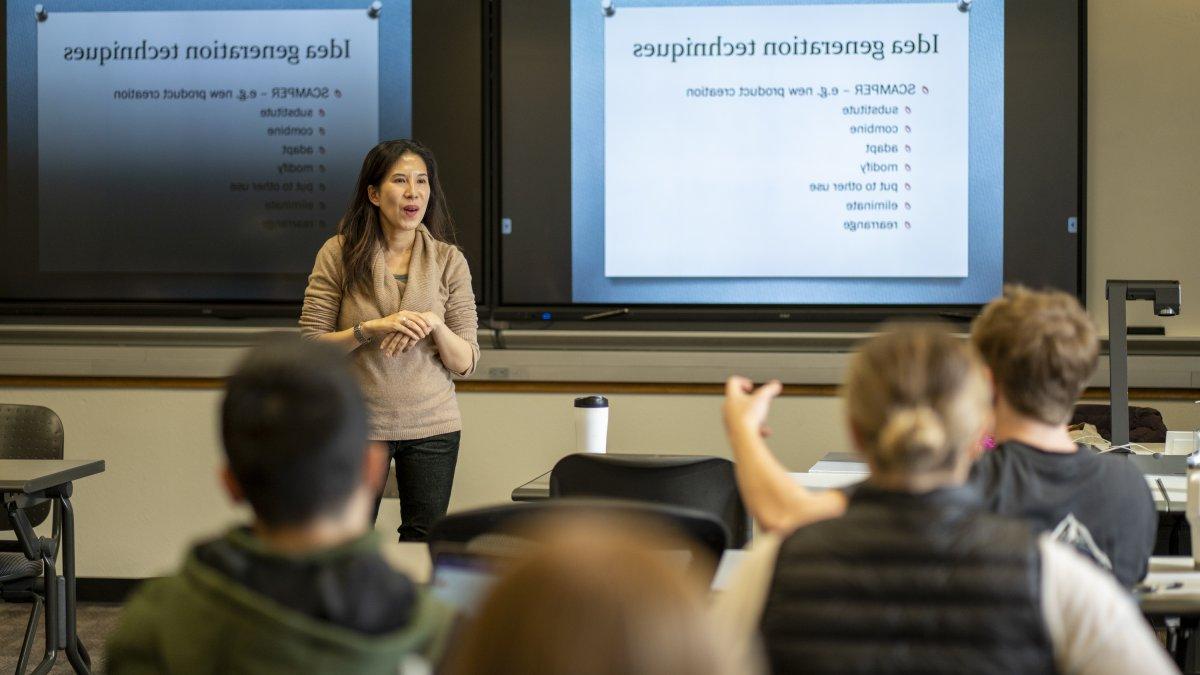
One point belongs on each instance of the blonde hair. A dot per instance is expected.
(1042, 350)
(917, 398)
(593, 601)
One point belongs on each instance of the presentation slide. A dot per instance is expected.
(217, 141)
(787, 152)
(821, 182)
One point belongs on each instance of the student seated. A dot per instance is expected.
(304, 588)
(916, 576)
(594, 599)
(1042, 350)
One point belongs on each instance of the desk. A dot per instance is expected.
(534, 490)
(839, 469)
(1176, 587)
(1174, 604)
(1175, 582)
(1166, 477)
(29, 482)
(412, 558)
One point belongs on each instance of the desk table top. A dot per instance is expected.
(840, 469)
(27, 476)
(1174, 587)
(1169, 489)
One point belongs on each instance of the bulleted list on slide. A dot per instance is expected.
(200, 141)
(786, 141)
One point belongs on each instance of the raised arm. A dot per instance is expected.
(771, 496)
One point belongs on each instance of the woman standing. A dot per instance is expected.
(392, 289)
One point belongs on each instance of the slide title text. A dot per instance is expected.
(876, 49)
(215, 51)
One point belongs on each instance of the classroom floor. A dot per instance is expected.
(94, 621)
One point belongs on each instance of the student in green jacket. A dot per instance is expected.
(304, 588)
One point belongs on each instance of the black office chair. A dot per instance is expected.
(30, 432)
(491, 530)
(705, 484)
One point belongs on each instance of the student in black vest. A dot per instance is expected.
(917, 576)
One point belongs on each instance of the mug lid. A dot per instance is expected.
(593, 401)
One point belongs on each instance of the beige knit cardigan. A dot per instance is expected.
(410, 395)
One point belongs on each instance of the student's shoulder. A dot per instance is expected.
(991, 464)
(432, 626)
(1122, 480)
(1011, 451)
(1116, 466)
(145, 612)
(154, 593)
(994, 472)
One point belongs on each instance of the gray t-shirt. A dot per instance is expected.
(1098, 503)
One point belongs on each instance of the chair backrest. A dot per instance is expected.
(490, 527)
(29, 432)
(705, 484)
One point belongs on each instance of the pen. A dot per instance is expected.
(605, 315)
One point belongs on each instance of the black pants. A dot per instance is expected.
(424, 476)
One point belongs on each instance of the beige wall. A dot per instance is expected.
(1143, 188)
(162, 452)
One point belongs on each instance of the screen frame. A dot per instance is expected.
(743, 315)
(489, 275)
(432, 122)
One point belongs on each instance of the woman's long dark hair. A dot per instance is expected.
(360, 228)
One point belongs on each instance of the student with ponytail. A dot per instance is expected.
(916, 575)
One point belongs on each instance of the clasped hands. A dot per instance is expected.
(402, 330)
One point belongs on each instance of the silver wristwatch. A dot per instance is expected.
(359, 335)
